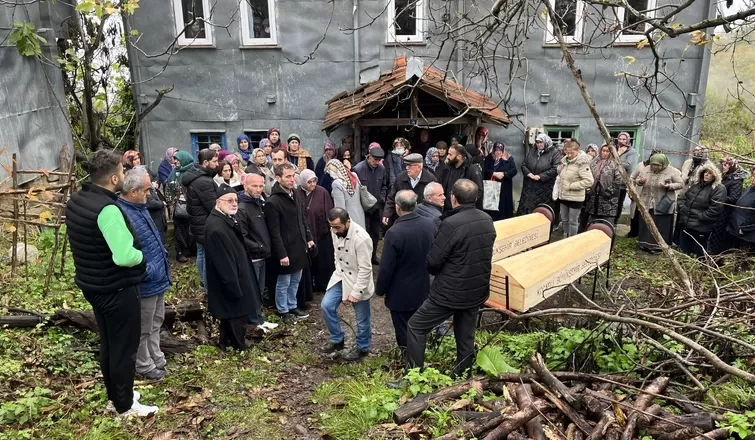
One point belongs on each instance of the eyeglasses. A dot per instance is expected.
(230, 201)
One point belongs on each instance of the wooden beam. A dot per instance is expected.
(406, 121)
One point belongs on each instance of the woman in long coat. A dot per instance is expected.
(602, 200)
(700, 210)
(328, 152)
(659, 184)
(540, 168)
(346, 191)
(316, 205)
(500, 167)
(733, 179)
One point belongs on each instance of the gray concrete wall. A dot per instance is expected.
(32, 124)
(226, 87)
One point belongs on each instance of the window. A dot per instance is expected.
(258, 27)
(191, 28)
(561, 134)
(632, 29)
(203, 139)
(570, 14)
(406, 21)
(256, 136)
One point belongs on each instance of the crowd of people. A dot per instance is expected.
(269, 226)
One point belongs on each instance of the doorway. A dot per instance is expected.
(385, 135)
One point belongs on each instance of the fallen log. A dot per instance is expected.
(534, 426)
(683, 402)
(595, 405)
(679, 434)
(474, 427)
(556, 386)
(716, 434)
(423, 401)
(566, 376)
(599, 430)
(470, 415)
(21, 321)
(669, 422)
(650, 417)
(517, 420)
(641, 403)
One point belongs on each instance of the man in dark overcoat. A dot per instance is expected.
(414, 178)
(402, 277)
(231, 282)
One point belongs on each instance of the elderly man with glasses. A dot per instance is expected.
(231, 282)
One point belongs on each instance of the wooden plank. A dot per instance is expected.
(517, 234)
(539, 273)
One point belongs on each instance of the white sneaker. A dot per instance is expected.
(111, 407)
(268, 325)
(139, 410)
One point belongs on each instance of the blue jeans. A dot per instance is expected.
(285, 291)
(201, 267)
(259, 271)
(329, 305)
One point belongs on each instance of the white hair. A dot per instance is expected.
(215, 147)
(430, 189)
(134, 179)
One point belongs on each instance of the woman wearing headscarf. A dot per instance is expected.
(634, 229)
(323, 178)
(260, 165)
(166, 166)
(394, 161)
(691, 165)
(237, 164)
(442, 147)
(658, 184)
(346, 191)
(183, 162)
(481, 142)
(592, 150)
(345, 157)
(733, 177)
(433, 162)
(245, 148)
(602, 199)
(297, 155)
(274, 139)
(540, 170)
(574, 179)
(500, 167)
(317, 203)
(700, 210)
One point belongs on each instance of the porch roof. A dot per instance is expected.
(349, 106)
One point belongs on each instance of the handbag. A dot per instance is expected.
(554, 194)
(664, 206)
(181, 212)
(368, 200)
(491, 195)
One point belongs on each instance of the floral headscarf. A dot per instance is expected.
(129, 156)
(170, 152)
(328, 145)
(429, 159)
(347, 178)
(546, 140)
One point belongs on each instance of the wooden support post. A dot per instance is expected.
(14, 251)
(357, 153)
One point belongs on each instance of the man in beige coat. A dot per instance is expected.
(351, 282)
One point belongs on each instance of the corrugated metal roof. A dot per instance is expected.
(348, 106)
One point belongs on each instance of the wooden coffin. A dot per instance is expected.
(517, 234)
(537, 274)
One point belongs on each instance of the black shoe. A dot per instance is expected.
(332, 347)
(181, 258)
(355, 354)
(375, 261)
(156, 374)
(300, 314)
(288, 318)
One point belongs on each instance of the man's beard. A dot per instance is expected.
(342, 234)
(453, 161)
(118, 186)
(231, 211)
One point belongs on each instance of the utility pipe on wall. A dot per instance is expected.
(459, 50)
(355, 35)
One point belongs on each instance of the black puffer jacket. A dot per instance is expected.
(460, 258)
(251, 217)
(700, 209)
(469, 170)
(733, 181)
(535, 192)
(200, 198)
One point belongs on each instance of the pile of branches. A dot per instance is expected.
(543, 405)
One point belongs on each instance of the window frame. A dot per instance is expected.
(247, 40)
(573, 128)
(195, 139)
(419, 35)
(620, 13)
(255, 132)
(208, 41)
(579, 25)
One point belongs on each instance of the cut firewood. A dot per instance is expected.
(556, 386)
(470, 415)
(474, 427)
(679, 434)
(598, 432)
(671, 422)
(643, 401)
(715, 434)
(683, 402)
(517, 420)
(534, 427)
(423, 401)
(649, 416)
(566, 376)
(568, 411)
(596, 405)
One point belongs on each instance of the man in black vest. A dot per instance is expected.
(109, 267)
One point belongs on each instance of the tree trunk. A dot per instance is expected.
(423, 401)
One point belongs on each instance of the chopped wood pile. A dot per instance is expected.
(543, 405)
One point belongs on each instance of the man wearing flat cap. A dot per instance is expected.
(231, 281)
(372, 175)
(415, 178)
